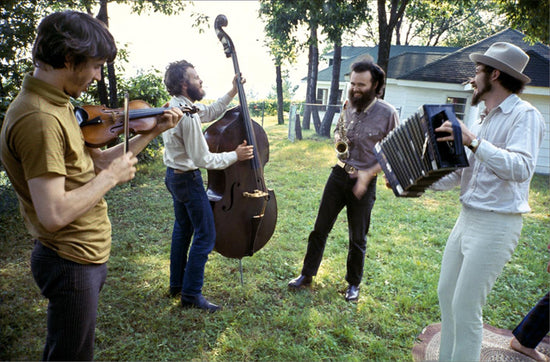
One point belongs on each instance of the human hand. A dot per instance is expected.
(123, 168)
(235, 88)
(364, 177)
(244, 152)
(169, 119)
(447, 127)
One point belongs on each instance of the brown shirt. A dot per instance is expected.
(365, 129)
(41, 136)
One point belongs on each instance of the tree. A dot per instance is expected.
(19, 19)
(338, 17)
(386, 27)
(449, 22)
(529, 16)
(280, 23)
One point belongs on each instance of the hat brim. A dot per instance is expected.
(483, 59)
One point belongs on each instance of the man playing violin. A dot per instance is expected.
(60, 183)
(185, 151)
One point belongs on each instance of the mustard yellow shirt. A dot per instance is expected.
(40, 136)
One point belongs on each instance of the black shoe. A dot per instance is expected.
(300, 282)
(198, 301)
(352, 293)
(174, 292)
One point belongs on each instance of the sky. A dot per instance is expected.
(155, 40)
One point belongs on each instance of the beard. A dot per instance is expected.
(360, 100)
(478, 94)
(195, 93)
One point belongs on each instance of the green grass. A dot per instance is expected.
(262, 319)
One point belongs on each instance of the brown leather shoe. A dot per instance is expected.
(301, 282)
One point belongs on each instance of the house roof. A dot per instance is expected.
(457, 67)
(399, 63)
(444, 64)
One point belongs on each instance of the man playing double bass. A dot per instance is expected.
(185, 151)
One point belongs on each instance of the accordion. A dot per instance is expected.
(410, 155)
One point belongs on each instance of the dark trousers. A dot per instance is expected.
(535, 325)
(193, 218)
(72, 290)
(337, 194)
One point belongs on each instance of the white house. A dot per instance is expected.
(436, 75)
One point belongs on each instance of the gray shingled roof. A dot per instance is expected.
(457, 67)
(445, 64)
(398, 65)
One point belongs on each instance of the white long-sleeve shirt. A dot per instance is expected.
(185, 147)
(502, 167)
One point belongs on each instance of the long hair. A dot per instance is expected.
(71, 36)
(377, 73)
(175, 76)
(508, 82)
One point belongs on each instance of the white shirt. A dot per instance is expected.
(185, 147)
(502, 167)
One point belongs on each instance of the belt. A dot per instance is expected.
(347, 167)
(180, 171)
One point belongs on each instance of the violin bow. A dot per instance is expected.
(126, 123)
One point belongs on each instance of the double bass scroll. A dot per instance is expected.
(245, 210)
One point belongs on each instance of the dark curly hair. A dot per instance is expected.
(377, 73)
(72, 36)
(175, 75)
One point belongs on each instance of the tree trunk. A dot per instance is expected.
(386, 28)
(334, 86)
(312, 69)
(109, 99)
(280, 100)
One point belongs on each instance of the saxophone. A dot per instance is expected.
(342, 144)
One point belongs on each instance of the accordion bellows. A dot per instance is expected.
(410, 155)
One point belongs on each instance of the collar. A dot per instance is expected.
(183, 101)
(45, 90)
(506, 106)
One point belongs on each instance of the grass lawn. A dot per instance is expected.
(262, 319)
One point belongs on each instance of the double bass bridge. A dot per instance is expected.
(256, 194)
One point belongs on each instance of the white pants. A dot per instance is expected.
(479, 246)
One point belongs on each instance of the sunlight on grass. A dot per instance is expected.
(262, 319)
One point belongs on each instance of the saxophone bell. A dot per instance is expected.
(342, 150)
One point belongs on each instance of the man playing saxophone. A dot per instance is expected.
(352, 182)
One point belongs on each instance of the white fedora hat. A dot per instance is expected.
(505, 57)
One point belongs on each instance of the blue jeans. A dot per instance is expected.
(337, 194)
(193, 218)
(72, 290)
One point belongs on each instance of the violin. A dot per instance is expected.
(101, 125)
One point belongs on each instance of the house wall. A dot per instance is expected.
(408, 96)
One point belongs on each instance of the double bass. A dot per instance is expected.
(245, 210)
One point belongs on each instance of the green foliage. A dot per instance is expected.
(262, 319)
(450, 22)
(531, 17)
(266, 107)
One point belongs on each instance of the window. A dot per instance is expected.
(459, 106)
(321, 96)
